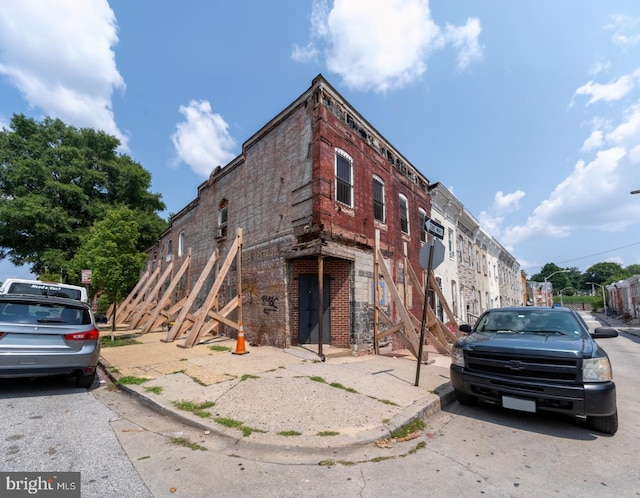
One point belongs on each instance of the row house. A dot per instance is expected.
(311, 190)
(478, 272)
(624, 297)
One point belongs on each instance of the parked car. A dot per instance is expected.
(41, 335)
(39, 288)
(537, 359)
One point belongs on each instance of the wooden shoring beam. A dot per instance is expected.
(134, 292)
(196, 331)
(408, 334)
(167, 315)
(178, 325)
(152, 298)
(124, 315)
(437, 333)
(166, 298)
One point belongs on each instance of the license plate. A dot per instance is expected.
(524, 405)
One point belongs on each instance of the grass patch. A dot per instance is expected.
(381, 459)
(419, 446)
(183, 441)
(217, 347)
(414, 426)
(153, 389)
(237, 424)
(247, 431)
(197, 381)
(328, 433)
(106, 342)
(130, 379)
(289, 433)
(248, 376)
(318, 379)
(229, 422)
(387, 402)
(340, 386)
(192, 406)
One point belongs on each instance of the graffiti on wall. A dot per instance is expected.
(269, 304)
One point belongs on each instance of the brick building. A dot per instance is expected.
(309, 191)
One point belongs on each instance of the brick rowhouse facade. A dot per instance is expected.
(302, 191)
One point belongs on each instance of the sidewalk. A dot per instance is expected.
(277, 397)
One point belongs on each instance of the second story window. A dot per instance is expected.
(344, 178)
(223, 213)
(422, 214)
(378, 199)
(404, 214)
(181, 244)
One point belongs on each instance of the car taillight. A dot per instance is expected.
(87, 335)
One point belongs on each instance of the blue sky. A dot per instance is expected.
(528, 111)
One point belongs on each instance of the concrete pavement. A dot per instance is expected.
(279, 397)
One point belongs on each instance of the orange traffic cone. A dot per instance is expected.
(240, 342)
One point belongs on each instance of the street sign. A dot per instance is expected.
(438, 254)
(434, 228)
(85, 276)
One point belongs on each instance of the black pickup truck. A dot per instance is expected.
(537, 359)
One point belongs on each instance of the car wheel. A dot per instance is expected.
(465, 399)
(607, 424)
(85, 380)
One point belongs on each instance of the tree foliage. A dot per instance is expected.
(110, 250)
(56, 181)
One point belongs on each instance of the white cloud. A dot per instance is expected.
(625, 30)
(617, 89)
(594, 141)
(491, 220)
(202, 141)
(58, 54)
(589, 198)
(380, 45)
(465, 39)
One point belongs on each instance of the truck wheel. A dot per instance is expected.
(465, 399)
(607, 424)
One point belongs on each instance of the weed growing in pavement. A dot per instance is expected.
(130, 379)
(289, 433)
(179, 372)
(153, 389)
(183, 441)
(340, 386)
(248, 376)
(198, 409)
(197, 381)
(106, 342)
(328, 433)
(237, 424)
(229, 422)
(217, 347)
(419, 446)
(318, 379)
(415, 426)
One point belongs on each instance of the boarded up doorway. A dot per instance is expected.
(308, 302)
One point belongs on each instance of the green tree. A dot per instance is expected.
(110, 251)
(633, 269)
(560, 280)
(603, 273)
(56, 181)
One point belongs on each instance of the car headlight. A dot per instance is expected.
(596, 370)
(457, 357)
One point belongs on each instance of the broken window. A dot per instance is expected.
(378, 199)
(404, 214)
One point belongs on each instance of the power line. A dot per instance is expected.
(589, 256)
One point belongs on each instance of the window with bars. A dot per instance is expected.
(378, 199)
(404, 214)
(344, 178)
